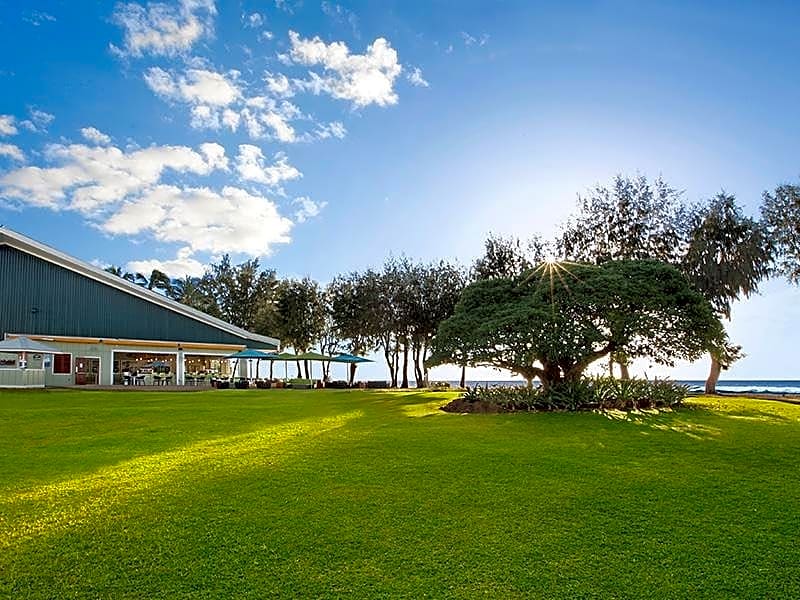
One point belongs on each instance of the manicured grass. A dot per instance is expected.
(373, 494)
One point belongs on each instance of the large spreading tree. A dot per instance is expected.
(557, 321)
(723, 253)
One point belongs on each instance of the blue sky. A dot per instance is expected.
(322, 136)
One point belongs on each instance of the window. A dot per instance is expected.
(62, 364)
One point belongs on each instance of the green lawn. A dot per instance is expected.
(376, 494)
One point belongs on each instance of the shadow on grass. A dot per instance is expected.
(55, 507)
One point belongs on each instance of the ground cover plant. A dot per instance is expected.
(275, 493)
(589, 393)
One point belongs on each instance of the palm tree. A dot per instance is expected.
(119, 272)
(728, 255)
(158, 280)
(190, 291)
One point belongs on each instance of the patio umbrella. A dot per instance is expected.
(285, 357)
(352, 360)
(248, 353)
(312, 356)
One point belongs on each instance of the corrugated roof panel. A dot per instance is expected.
(40, 297)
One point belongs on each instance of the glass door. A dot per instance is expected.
(87, 370)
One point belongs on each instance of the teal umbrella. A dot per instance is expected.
(249, 353)
(352, 360)
(285, 357)
(312, 356)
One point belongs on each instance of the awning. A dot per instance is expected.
(24, 344)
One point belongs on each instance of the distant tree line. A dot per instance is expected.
(635, 272)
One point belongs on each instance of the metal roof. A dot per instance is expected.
(23, 243)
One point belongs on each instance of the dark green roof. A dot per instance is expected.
(44, 292)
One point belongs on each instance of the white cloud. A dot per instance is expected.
(163, 29)
(182, 265)
(89, 178)
(362, 79)
(470, 40)
(252, 166)
(334, 129)
(122, 193)
(266, 118)
(205, 220)
(12, 151)
(197, 86)
(220, 99)
(161, 82)
(214, 155)
(204, 117)
(38, 121)
(283, 131)
(279, 84)
(36, 18)
(7, 126)
(265, 36)
(230, 119)
(416, 78)
(339, 14)
(95, 136)
(307, 208)
(216, 100)
(253, 20)
(285, 6)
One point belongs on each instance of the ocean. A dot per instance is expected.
(754, 386)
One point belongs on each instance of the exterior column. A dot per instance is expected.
(180, 367)
(106, 376)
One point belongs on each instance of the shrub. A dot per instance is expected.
(337, 385)
(584, 394)
(439, 386)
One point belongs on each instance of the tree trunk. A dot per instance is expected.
(424, 357)
(623, 370)
(352, 373)
(271, 365)
(387, 354)
(462, 383)
(713, 376)
(405, 365)
(395, 363)
(299, 372)
(415, 361)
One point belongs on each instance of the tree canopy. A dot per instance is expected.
(631, 219)
(555, 322)
(781, 214)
